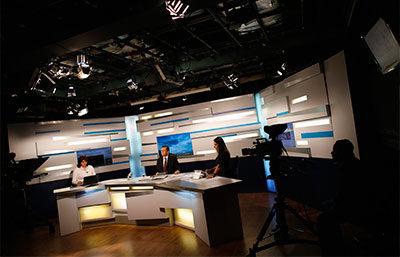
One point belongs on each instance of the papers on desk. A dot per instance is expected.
(156, 177)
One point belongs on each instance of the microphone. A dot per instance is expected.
(129, 175)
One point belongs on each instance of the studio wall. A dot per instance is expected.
(61, 140)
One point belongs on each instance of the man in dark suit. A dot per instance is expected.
(167, 163)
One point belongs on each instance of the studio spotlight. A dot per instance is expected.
(71, 92)
(83, 111)
(84, 68)
(141, 108)
(282, 69)
(131, 84)
(184, 98)
(176, 8)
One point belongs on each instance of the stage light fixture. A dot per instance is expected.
(71, 92)
(83, 111)
(176, 8)
(231, 81)
(282, 69)
(84, 68)
(131, 84)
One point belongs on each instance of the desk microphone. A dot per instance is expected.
(129, 175)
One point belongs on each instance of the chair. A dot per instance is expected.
(235, 167)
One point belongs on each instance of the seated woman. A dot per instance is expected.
(82, 170)
(222, 168)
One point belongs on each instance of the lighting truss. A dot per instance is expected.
(176, 8)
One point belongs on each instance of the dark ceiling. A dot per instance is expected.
(172, 62)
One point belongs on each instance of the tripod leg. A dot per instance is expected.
(299, 217)
(260, 236)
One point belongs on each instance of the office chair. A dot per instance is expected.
(235, 168)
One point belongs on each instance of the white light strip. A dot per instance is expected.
(311, 123)
(225, 117)
(301, 142)
(163, 114)
(119, 188)
(148, 133)
(118, 149)
(162, 131)
(225, 99)
(58, 167)
(235, 138)
(146, 117)
(206, 152)
(59, 138)
(91, 141)
(142, 187)
(299, 99)
(50, 122)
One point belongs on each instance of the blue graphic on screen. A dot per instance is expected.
(97, 157)
(179, 144)
(287, 136)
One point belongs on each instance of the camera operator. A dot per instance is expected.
(222, 167)
(351, 201)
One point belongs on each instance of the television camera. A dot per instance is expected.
(271, 149)
(263, 146)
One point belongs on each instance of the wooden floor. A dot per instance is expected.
(132, 240)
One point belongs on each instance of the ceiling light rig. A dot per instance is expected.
(77, 109)
(231, 81)
(282, 70)
(176, 8)
(71, 92)
(84, 68)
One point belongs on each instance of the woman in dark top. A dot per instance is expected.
(222, 168)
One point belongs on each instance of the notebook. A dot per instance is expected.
(90, 180)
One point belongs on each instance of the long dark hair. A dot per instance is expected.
(80, 159)
(221, 145)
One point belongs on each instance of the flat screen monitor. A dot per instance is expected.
(383, 46)
(97, 157)
(287, 136)
(179, 144)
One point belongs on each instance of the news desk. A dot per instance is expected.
(209, 207)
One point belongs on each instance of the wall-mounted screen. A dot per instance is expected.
(287, 136)
(98, 156)
(179, 144)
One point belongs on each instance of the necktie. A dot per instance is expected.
(165, 165)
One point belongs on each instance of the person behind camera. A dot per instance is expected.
(222, 167)
(82, 170)
(351, 204)
(167, 163)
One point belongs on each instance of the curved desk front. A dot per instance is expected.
(209, 207)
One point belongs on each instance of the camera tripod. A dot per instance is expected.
(281, 235)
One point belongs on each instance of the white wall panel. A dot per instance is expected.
(340, 100)
(233, 104)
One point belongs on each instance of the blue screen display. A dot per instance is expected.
(97, 157)
(287, 136)
(179, 144)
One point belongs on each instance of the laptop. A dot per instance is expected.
(90, 180)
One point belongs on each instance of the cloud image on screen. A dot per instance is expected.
(179, 144)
